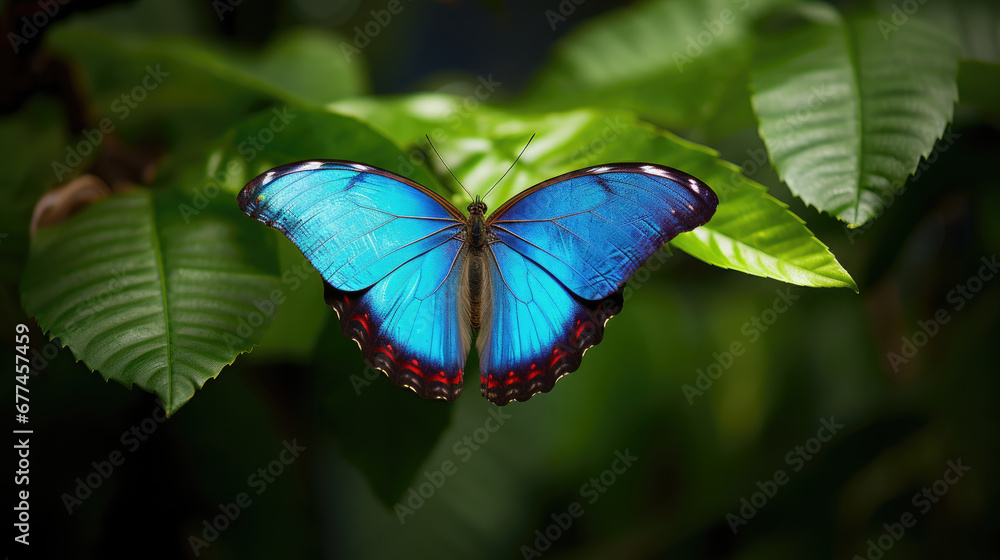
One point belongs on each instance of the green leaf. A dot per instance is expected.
(276, 137)
(751, 231)
(754, 233)
(150, 297)
(847, 109)
(680, 63)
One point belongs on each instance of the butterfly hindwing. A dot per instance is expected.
(537, 330)
(389, 252)
(410, 324)
(562, 252)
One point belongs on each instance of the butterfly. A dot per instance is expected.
(411, 277)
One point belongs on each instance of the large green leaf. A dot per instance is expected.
(151, 297)
(681, 63)
(751, 231)
(848, 108)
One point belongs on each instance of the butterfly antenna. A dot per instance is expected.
(446, 166)
(509, 168)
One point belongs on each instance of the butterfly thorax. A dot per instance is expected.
(476, 225)
(476, 234)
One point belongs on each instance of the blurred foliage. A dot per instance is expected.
(712, 380)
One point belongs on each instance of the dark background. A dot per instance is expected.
(825, 357)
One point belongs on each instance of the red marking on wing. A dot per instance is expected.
(386, 351)
(557, 354)
(363, 321)
(439, 377)
(413, 368)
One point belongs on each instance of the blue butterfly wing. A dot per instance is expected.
(390, 253)
(593, 228)
(560, 254)
(355, 223)
(536, 330)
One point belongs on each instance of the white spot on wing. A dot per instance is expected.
(655, 170)
(310, 165)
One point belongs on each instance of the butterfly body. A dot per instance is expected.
(412, 278)
(476, 233)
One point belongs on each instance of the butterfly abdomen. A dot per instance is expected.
(476, 269)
